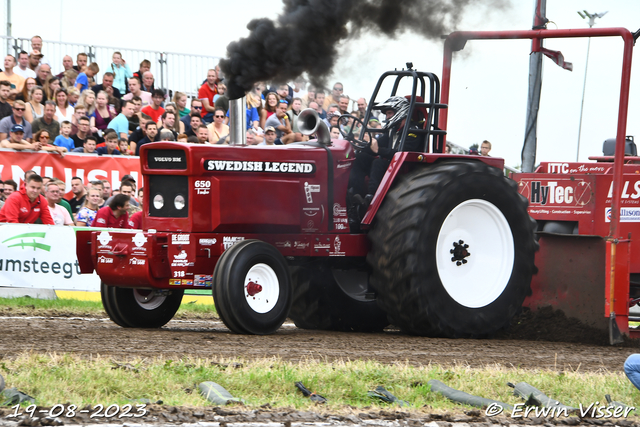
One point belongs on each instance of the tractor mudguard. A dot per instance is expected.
(412, 160)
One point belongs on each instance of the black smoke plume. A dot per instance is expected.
(306, 35)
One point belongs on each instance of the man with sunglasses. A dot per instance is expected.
(196, 108)
(17, 118)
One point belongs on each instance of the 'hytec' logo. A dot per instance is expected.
(23, 243)
(552, 193)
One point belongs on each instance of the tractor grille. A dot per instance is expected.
(166, 194)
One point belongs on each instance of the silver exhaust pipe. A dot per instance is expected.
(238, 121)
(310, 123)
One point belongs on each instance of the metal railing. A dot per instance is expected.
(174, 72)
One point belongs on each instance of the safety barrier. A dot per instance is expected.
(174, 71)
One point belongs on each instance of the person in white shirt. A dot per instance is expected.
(59, 214)
(23, 66)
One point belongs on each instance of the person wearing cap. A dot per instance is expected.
(27, 205)
(17, 118)
(16, 80)
(16, 141)
(374, 160)
(269, 136)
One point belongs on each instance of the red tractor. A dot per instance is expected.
(445, 248)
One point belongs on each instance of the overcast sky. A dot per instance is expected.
(489, 83)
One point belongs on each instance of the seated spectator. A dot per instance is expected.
(135, 89)
(194, 124)
(180, 100)
(123, 147)
(145, 66)
(114, 215)
(27, 205)
(269, 136)
(343, 104)
(137, 117)
(17, 118)
(335, 132)
(167, 135)
(196, 108)
(23, 66)
(88, 99)
(182, 137)
(44, 138)
(87, 213)
(111, 148)
(121, 72)
(64, 111)
(16, 80)
(128, 188)
(81, 62)
(218, 129)
(51, 85)
(293, 112)
(82, 81)
(78, 112)
(169, 121)
(280, 121)
(88, 147)
(29, 83)
(64, 140)
(206, 93)
(68, 78)
(16, 141)
(135, 221)
(103, 114)
(34, 64)
(107, 86)
(53, 194)
(81, 135)
(319, 99)
(284, 92)
(254, 108)
(48, 121)
(253, 138)
(74, 95)
(271, 102)
(34, 104)
(79, 194)
(148, 82)
(120, 124)
(202, 134)
(155, 110)
(151, 131)
(106, 185)
(67, 64)
(222, 89)
(5, 106)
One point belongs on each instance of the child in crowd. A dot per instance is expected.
(111, 148)
(64, 139)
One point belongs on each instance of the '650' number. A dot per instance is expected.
(203, 184)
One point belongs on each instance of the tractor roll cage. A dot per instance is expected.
(457, 40)
(430, 110)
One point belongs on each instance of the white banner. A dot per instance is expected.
(43, 257)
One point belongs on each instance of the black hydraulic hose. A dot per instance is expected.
(462, 397)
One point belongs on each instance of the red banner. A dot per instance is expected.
(13, 165)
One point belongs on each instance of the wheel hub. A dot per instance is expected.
(253, 288)
(459, 252)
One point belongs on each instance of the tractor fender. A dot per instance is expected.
(404, 161)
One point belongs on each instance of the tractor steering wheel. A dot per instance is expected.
(349, 136)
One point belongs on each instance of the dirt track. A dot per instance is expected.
(209, 338)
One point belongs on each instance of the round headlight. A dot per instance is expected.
(179, 202)
(158, 201)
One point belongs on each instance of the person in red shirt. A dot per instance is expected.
(115, 215)
(27, 205)
(206, 93)
(135, 221)
(155, 110)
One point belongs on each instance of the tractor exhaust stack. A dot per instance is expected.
(238, 121)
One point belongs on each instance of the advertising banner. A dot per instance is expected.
(43, 257)
(13, 165)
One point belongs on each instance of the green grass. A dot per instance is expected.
(71, 307)
(52, 379)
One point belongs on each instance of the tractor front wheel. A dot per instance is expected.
(453, 250)
(252, 288)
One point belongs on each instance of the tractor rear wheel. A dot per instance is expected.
(453, 250)
(144, 308)
(252, 288)
(332, 299)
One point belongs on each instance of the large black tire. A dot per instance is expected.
(143, 308)
(427, 281)
(106, 293)
(252, 288)
(320, 302)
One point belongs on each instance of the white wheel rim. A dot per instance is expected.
(485, 275)
(149, 300)
(261, 288)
